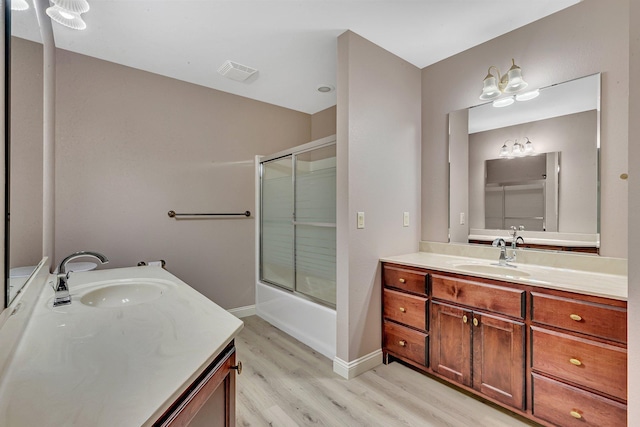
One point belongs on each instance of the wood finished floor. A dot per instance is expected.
(284, 383)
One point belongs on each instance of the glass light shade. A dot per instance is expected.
(518, 149)
(503, 102)
(76, 6)
(66, 18)
(516, 83)
(504, 151)
(528, 148)
(528, 95)
(19, 5)
(490, 88)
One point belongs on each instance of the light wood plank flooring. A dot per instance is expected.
(285, 383)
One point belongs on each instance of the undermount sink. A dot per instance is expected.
(493, 269)
(123, 294)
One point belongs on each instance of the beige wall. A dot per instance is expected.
(26, 153)
(323, 123)
(634, 215)
(587, 38)
(132, 145)
(2, 144)
(378, 173)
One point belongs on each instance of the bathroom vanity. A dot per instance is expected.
(136, 346)
(547, 343)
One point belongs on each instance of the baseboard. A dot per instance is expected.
(359, 366)
(246, 311)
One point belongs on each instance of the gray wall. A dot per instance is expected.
(590, 37)
(378, 173)
(132, 145)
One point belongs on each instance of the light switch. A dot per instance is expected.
(405, 219)
(360, 219)
(462, 219)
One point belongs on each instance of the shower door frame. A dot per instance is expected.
(293, 152)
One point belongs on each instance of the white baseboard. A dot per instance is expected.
(246, 311)
(359, 366)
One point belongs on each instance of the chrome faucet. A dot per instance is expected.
(62, 296)
(503, 260)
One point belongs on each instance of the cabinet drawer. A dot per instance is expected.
(405, 279)
(478, 295)
(565, 405)
(599, 366)
(580, 316)
(405, 342)
(404, 308)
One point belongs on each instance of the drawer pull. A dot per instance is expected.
(575, 414)
(575, 317)
(464, 319)
(402, 343)
(402, 280)
(402, 309)
(575, 362)
(238, 367)
(475, 322)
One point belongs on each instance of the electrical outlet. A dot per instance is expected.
(360, 219)
(462, 218)
(405, 219)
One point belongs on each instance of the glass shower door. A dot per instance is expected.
(315, 223)
(277, 232)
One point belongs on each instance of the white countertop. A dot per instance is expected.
(78, 365)
(613, 286)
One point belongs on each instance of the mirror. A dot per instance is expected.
(25, 153)
(533, 164)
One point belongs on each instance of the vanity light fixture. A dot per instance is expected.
(503, 102)
(509, 83)
(517, 150)
(528, 95)
(67, 13)
(64, 17)
(19, 5)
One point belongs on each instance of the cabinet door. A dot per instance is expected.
(451, 349)
(498, 358)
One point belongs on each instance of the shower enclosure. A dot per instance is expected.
(298, 222)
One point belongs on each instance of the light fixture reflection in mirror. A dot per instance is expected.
(563, 119)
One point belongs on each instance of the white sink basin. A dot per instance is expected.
(123, 294)
(496, 270)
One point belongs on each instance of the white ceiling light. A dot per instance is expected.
(509, 83)
(19, 5)
(76, 6)
(66, 18)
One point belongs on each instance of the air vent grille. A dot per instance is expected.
(234, 71)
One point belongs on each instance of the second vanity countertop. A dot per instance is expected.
(613, 286)
(79, 365)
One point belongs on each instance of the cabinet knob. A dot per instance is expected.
(464, 318)
(402, 343)
(402, 309)
(238, 367)
(575, 317)
(475, 322)
(575, 414)
(575, 362)
(401, 280)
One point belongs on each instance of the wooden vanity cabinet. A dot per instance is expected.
(405, 316)
(210, 400)
(579, 359)
(484, 351)
(558, 358)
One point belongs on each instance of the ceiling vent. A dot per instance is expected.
(234, 71)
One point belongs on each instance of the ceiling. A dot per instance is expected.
(291, 42)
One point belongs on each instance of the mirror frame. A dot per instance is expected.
(7, 145)
(594, 249)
